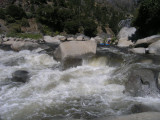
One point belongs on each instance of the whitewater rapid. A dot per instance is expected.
(83, 92)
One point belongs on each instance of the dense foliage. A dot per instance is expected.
(70, 16)
(15, 12)
(2, 14)
(148, 18)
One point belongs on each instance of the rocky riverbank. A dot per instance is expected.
(148, 45)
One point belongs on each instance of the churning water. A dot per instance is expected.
(93, 90)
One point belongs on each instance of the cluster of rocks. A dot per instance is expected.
(67, 49)
(18, 44)
(59, 39)
(148, 45)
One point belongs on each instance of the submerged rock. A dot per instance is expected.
(20, 76)
(142, 107)
(126, 32)
(141, 82)
(139, 116)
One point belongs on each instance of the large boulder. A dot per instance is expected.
(20, 76)
(71, 53)
(21, 45)
(145, 42)
(141, 82)
(123, 36)
(75, 49)
(154, 48)
(126, 32)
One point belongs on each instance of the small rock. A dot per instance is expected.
(86, 38)
(51, 40)
(98, 39)
(62, 38)
(80, 38)
(70, 38)
(138, 50)
(20, 76)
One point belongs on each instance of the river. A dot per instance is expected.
(93, 90)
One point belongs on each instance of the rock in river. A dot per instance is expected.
(20, 76)
(141, 82)
(71, 53)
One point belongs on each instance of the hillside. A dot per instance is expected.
(64, 16)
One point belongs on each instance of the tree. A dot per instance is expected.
(90, 27)
(2, 13)
(147, 18)
(71, 27)
(38, 1)
(15, 12)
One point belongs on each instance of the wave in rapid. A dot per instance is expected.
(83, 92)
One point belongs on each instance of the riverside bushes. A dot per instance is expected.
(147, 18)
(76, 16)
(67, 16)
(15, 12)
(2, 13)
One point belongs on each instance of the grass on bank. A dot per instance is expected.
(25, 35)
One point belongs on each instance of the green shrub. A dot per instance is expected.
(29, 15)
(24, 35)
(148, 18)
(15, 12)
(71, 27)
(9, 19)
(2, 13)
(14, 28)
(90, 27)
(24, 22)
(46, 30)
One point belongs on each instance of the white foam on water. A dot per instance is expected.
(80, 91)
